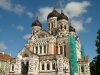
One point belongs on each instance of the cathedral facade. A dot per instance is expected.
(55, 51)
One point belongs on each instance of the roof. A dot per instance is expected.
(5, 56)
(71, 29)
(54, 13)
(36, 23)
(85, 59)
(62, 16)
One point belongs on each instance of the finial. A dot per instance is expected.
(61, 6)
(54, 4)
(37, 16)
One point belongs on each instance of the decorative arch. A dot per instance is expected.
(24, 67)
(48, 65)
(53, 64)
(42, 65)
(25, 55)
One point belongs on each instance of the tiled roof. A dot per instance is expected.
(5, 56)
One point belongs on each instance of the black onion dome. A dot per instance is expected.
(36, 23)
(71, 29)
(54, 13)
(62, 16)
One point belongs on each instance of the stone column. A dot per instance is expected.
(31, 66)
(42, 49)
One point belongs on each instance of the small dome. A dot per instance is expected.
(71, 29)
(62, 16)
(54, 13)
(36, 23)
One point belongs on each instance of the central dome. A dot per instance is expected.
(54, 13)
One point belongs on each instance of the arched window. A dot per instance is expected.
(48, 65)
(61, 27)
(49, 25)
(52, 25)
(65, 26)
(36, 49)
(82, 69)
(42, 65)
(61, 50)
(40, 49)
(12, 67)
(53, 65)
(44, 48)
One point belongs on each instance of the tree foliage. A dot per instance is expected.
(95, 64)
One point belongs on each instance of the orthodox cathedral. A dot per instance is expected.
(55, 51)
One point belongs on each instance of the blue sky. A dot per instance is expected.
(16, 17)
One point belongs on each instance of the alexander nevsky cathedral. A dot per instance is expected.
(55, 51)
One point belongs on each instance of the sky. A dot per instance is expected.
(17, 16)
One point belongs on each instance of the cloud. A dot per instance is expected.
(27, 36)
(88, 20)
(19, 9)
(6, 5)
(78, 25)
(75, 9)
(9, 6)
(3, 46)
(72, 9)
(44, 13)
(30, 14)
(20, 28)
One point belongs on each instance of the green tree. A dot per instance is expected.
(93, 68)
(95, 64)
(97, 60)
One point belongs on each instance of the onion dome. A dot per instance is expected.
(62, 16)
(36, 23)
(71, 29)
(54, 13)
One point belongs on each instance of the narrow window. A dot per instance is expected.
(27, 66)
(48, 66)
(44, 48)
(61, 26)
(51, 25)
(53, 65)
(61, 50)
(82, 69)
(65, 26)
(40, 49)
(42, 66)
(36, 50)
(12, 67)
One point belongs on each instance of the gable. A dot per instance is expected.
(41, 34)
(24, 53)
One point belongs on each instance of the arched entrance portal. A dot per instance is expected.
(24, 64)
(24, 68)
